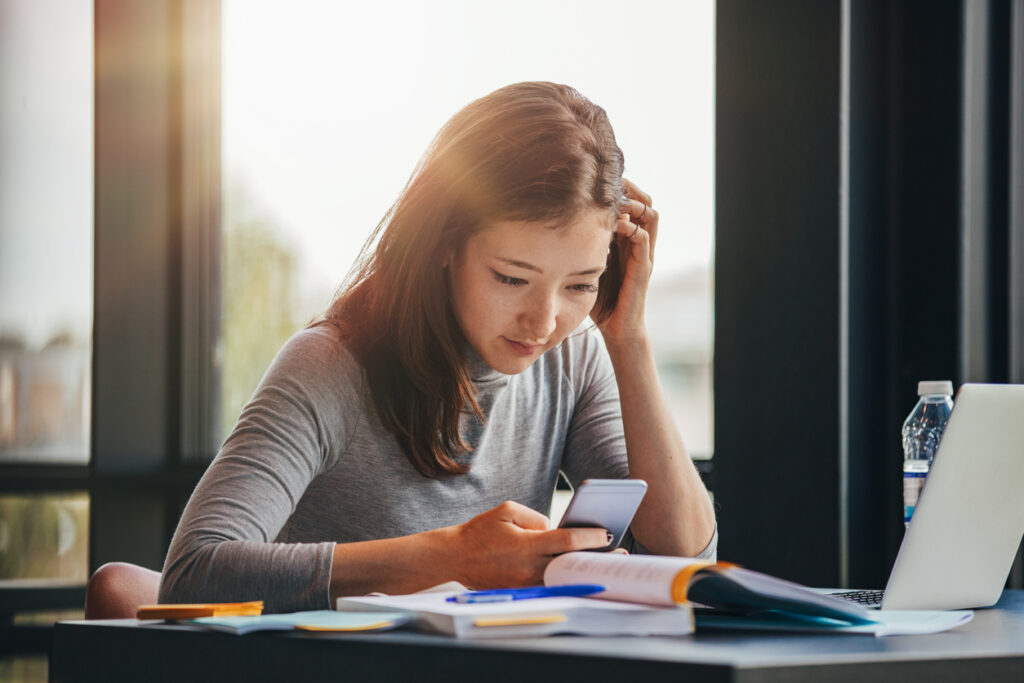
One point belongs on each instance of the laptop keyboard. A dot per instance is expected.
(863, 598)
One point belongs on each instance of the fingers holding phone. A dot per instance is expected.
(511, 544)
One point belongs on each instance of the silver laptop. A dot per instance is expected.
(969, 520)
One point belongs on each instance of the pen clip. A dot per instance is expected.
(481, 596)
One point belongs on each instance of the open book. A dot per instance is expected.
(660, 580)
(432, 612)
(738, 598)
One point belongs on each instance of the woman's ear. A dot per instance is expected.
(450, 256)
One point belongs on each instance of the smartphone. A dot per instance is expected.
(606, 503)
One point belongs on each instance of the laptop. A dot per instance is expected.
(968, 523)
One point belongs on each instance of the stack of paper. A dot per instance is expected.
(536, 617)
(318, 620)
(886, 623)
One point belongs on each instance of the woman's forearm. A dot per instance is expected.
(509, 545)
(392, 565)
(676, 517)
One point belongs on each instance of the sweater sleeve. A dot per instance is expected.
(292, 429)
(595, 445)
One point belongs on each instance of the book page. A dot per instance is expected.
(636, 578)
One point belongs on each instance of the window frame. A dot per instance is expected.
(156, 300)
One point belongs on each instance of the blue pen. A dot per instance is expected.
(528, 593)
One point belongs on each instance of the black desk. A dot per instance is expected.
(990, 648)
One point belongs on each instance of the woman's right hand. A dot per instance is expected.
(511, 545)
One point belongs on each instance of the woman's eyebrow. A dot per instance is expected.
(530, 266)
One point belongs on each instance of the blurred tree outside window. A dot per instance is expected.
(44, 536)
(321, 132)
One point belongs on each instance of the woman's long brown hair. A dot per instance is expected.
(526, 152)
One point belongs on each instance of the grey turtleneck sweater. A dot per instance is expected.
(309, 465)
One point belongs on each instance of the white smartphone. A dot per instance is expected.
(606, 503)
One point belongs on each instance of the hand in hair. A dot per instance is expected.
(510, 545)
(635, 233)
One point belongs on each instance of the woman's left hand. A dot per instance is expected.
(635, 232)
(676, 516)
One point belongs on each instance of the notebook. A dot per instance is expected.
(968, 523)
(432, 612)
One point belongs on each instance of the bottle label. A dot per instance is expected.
(913, 483)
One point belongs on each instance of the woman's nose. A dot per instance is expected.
(540, 318)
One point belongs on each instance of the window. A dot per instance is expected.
(327, 107)
(46, 317)
(44, 536)
(45, 231)
(46, 212)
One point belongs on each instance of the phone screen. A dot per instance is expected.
(606, 503)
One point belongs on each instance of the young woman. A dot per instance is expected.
(415, 433)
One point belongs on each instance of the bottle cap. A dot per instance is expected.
(943, 388)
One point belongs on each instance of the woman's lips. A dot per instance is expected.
(521, 348)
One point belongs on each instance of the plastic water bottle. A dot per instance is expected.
(922, 432)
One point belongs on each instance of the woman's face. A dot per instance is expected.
(519, 288)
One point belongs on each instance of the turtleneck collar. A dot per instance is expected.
(479, 371)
